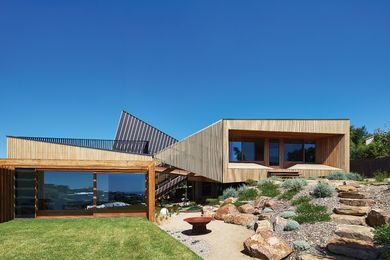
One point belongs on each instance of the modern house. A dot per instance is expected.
(49, 177)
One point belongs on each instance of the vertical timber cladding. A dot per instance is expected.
(7, 194)
(200, 153)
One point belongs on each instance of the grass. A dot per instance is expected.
(311, 213)
(269, 189)
(288, 195)
(88, 238)
(248, 194)
(301, 200)
(382, 235)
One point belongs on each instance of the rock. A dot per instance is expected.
(263, 225)
(246, 208)
(352, 210)
(267, 248)
(353, 195)
(314, 257)
(209, 211)
(257, 211)
(240, 219)
(357, 202)
(273, 204)
(355, 232)
(266, 210)
(280, 223)
(377, 217)
(349, 220)
(346, 188)
(353, 248)
(263, 216)
(260, 201)
(225, 210)
(164, 212)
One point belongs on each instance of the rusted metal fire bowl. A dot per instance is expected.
(199, 224)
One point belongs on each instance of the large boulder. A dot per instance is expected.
(349, 220)
(353, 248)
(229, 200)
(357, 202)
(267, 248)
(246, 208)
(377, 217)
(260, 202)
(352, 210)
(346, 188)
(280, 223)
(240, 219)
(263, 225)
(355, 232)
(225, 210)
(265, 215)
(273, 204)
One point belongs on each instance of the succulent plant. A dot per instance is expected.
(323, 190)
(291, 225)
(301, 245)
(288, 214)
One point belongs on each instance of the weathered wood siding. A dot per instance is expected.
(28, 149)
(7, 194)
(200, 153)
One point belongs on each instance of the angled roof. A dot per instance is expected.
(133, 128)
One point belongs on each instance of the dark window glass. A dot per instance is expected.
(246, 150)
(310, 152)
(293, 151)
(25, 193)
(273, 152)
(59, 190)
(120, 192)
(235, 153)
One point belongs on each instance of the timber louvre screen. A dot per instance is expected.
(7, 193)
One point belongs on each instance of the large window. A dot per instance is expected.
(120, 192)
(299, 151)
(274, 152)
(246, 150)
(59, 190)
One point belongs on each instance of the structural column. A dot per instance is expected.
(94, 192)
(151, 191)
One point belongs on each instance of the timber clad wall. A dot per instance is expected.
(7, 194)
(200, 153)
(18, 148)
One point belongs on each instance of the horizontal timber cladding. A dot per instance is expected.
(332, 140)
(132, 128)
(200, 153)
(18, 148)
(7, 194)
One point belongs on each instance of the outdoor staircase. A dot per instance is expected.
(168, 185)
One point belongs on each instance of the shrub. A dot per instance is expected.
(212, 201)
(288, 195)
(241, 189)
(229, 192)
(311, 213)
(294, 184)
(301, 200)
(380, 175)
(272, 179)
(382, 235)
(250, 182)
(354, 176)
(288, 214)
(291, 225)
(336, 176)
(323, 190)
(301, 245)
(269, 189)
(248, 194)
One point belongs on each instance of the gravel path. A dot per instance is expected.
(225, 241)
(381, 194)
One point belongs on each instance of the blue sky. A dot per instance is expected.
(68, 68)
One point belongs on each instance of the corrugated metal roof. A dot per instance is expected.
(133, 128)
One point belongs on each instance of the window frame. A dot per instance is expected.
(248, 140)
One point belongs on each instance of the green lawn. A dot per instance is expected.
(88, 238)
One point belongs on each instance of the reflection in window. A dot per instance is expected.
(273, 152)
(293, 151)
(60, 190)
(246, 150)
(120, 192)
(310, 152)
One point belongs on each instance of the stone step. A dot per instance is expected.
(353, 248)
(353, 195)
(346, 188)
(357, 202)
(351, 210)
(355, 232)
(348, 219)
